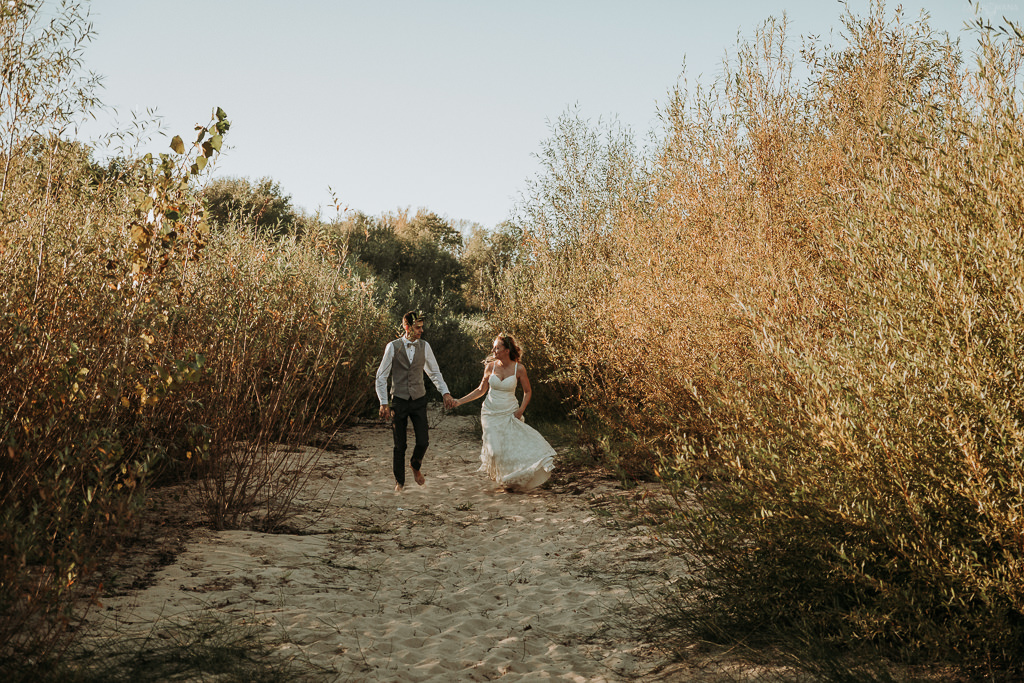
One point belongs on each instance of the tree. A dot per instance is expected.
(486, 254)
(427, 225)
(411, 254)
(261, 205)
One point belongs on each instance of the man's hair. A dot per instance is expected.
(411, 317)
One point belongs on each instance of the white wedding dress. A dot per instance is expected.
(514, 454)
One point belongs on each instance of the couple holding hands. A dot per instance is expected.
(513, 454)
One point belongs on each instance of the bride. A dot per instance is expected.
(513, 454)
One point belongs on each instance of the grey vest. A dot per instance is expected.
(406, 378)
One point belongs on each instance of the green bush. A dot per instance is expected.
(418, 257)
(70, 475)
(416, 265)
(259, 205)
(137, 346)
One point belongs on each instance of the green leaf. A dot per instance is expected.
(201, 162)
(220, 114)
(216, 141)
(177, 145)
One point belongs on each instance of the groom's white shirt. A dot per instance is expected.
(429, 365)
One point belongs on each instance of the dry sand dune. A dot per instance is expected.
(451, 581)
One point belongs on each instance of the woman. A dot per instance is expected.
(513, 454)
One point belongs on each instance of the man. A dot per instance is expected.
(405, 361)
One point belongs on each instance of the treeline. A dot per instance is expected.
(802, 310)
(156, 327)
(421, 261)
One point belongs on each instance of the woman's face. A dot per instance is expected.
(499, 350)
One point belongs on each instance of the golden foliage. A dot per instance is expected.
(802, 308)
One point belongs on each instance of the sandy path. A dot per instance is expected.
(452, 581)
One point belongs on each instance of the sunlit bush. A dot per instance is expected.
(801, 307)
(134, 345)
(875, 479)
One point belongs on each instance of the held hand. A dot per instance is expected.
(385, 413)
(449, 402)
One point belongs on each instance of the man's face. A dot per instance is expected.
(414, 331)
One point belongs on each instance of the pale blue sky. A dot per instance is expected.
(438, 104)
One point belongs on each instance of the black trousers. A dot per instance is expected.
(406, 410)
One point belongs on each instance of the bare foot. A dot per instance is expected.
(419, 477)
(398, 488)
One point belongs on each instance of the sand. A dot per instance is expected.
(451, 581)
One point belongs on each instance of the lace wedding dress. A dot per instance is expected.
(514, 454)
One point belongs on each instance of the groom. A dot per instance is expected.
(405, 360)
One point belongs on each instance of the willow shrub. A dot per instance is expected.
(554, 296)
(633, 261)
(869, 495)
(74, 465)
(287, 339)
(133, 344)
(802, 307)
